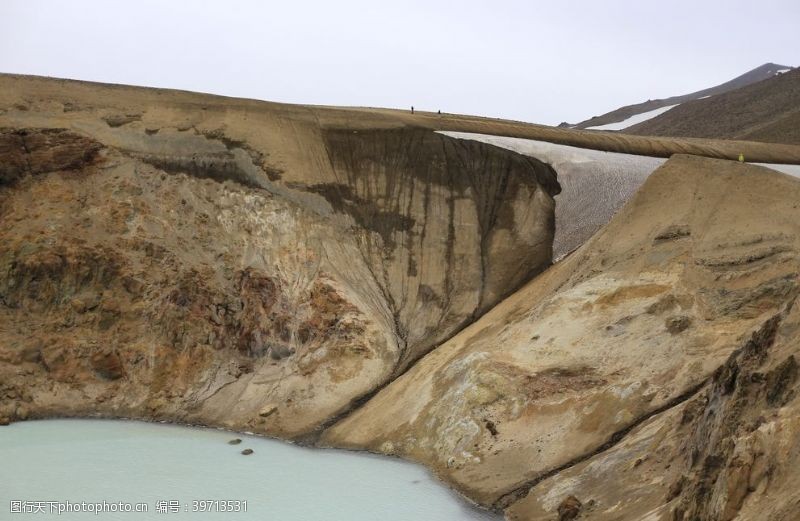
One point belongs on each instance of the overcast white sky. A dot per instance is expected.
(527, 60)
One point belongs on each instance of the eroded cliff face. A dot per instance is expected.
(492, 227)
(185, 257)
(624, 331)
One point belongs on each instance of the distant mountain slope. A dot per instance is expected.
(768, 70)
(765, 111)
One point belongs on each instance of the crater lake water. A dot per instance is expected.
(168, 466)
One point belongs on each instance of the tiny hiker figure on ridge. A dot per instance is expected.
(412, 109)
(741, 157)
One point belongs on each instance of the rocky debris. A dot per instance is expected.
(21, 412)
(673, 232)
(569, 509)
(4, 421)
(117, 120)
(780, 382)
(247, 452)
(235, 441)
(31, 354)
(32, 151)
(726, 452)
(108, 365)
(677, 324)
(268, 410)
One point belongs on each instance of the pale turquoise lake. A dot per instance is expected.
(173, 466)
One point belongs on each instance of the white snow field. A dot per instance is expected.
(792, 170)
(633, 120)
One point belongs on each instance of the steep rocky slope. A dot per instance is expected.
(241, 266)
(729, 452)
(765, 111)
(759, 74)
(628, 328)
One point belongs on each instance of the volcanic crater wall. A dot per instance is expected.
(206, 260)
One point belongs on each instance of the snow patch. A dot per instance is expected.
(633, 120)
(792, 170)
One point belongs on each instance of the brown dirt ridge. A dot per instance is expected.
(27, 89)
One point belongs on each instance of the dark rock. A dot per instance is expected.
(569, 509)
(677, 324)
(118, 120)
(280, 351)
(32, 354)
(247, 452)
(671, 233)
(38, 151)
(108, 365)
(235, 441)
(780, 380)
(663, 304)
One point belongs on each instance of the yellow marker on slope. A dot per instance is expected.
(741, 157)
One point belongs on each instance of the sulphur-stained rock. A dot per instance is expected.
(567, 365)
